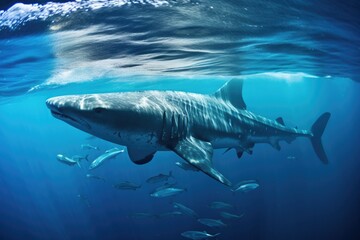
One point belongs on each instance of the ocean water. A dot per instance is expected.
(297, 59)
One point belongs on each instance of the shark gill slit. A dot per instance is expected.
(162, 136)
(179, 126)
(172, 125)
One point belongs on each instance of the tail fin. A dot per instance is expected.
(77, 162)
(215, 235)
(318, 129)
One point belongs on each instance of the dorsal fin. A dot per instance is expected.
(232, 92)
(280, 120)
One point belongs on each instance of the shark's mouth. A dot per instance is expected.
(67, 118)
(61, 115)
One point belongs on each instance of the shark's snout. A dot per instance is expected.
(50, 103)
(62, 102)
(53, 106)
(67, 109)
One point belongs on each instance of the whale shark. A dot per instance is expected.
(191, 125)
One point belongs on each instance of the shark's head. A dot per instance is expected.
(74, 110)
(103, 115)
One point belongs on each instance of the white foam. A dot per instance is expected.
(20, 13)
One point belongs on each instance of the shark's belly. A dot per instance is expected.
(144, 139)
(224, 142)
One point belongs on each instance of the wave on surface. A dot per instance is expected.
(21, 13)
(61, 43)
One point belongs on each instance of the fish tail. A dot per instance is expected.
(317, 130)
(215, 235)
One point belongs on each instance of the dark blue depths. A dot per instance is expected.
(298, 197)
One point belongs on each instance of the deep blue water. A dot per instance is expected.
(298, 59)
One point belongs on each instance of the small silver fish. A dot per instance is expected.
(185, 210)
(166, 192)
(197, 235)
(89, 147)
(159, 178)
(173, 213)
(112, 150)
(66, 160)
(94, 177)
(228, 215)
(101, 159)
(245, 186)
(220, 205)
(211, 222)
(126, 185)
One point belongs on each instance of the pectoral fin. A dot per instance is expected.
(199, 154)
(141, 155)
(275, 144)
(241, 149)
(239, 153)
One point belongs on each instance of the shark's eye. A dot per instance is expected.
(99, 110)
